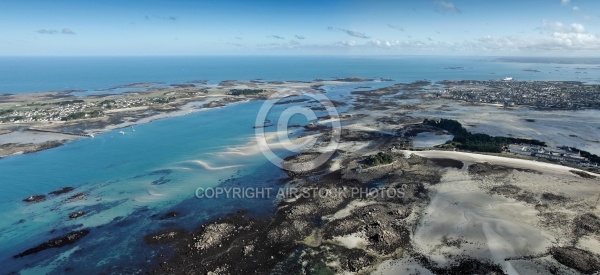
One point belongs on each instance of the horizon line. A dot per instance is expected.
(306, 55)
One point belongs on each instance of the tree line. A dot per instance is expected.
(245, 91)
(477, 142)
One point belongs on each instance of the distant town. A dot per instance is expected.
(564, 95)
(91, 107)
(560, 95)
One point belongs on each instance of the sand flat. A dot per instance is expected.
(472, 157)
(486, 226)
(465, 219)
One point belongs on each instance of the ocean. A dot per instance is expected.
(39, 74)
(131, 180)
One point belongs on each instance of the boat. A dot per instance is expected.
(121, 132)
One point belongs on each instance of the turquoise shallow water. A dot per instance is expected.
(132, 178)
(129, 178)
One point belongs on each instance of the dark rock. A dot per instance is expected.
(554, 197)
(291, 101)
(64, 190)
(77, 214)
(35, 198)
(587, 224)
(581, 260)
(355, 260)
(488, 169)
(76, 197)
(165, 236)
(470, 266)
(527, 197)
(183, 85)
(161, 181)
(444, 162)
(506, 190)
(169, 215)
(70, 238)
(353, 79)
(583, 174)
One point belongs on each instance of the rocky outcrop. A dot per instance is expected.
(68, 239)
(64, 190)
(580, 260)
(35, 198)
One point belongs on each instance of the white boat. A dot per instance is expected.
(121, 132)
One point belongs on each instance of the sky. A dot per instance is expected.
(287, 27)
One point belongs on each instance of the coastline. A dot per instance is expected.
(204, 97)
(376, 232)
(372, 231)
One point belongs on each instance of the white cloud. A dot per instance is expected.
(565, 2)
(560, 27)
(554, 36)
(576, 8)
(384, 43)
(578, 28)
(346, 43)
(447, 6)
(577, 41)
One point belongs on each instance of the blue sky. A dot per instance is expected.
(262, 27)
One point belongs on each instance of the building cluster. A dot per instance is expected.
(75, 109)
(556, 154)
(536, 94)
(54, 113)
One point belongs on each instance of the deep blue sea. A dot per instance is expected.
(132, 179)
(37, 74)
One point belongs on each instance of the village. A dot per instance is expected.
(563, 95)
(89, 107)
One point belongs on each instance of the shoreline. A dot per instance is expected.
(373, 231)
(61, 139)
(197, 97)
(205, 97)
